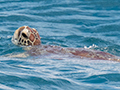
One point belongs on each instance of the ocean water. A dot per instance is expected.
(94, 24)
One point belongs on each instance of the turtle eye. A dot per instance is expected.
(24, 35)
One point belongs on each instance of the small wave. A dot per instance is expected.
(91, 47)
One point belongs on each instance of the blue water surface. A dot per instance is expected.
(94, 24)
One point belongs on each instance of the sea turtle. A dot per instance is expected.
(26, 36)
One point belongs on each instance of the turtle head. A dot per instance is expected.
(26, 36)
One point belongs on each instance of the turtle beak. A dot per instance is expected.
(15, 38)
